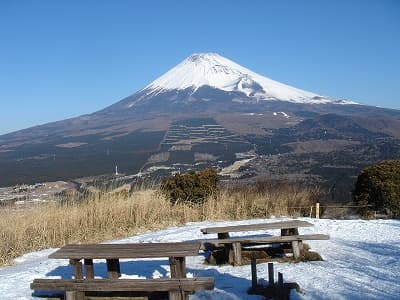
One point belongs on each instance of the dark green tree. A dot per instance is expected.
(193, 187)
(379, 186)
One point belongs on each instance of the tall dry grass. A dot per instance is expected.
(111, 215)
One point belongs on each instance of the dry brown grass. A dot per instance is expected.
(111, 215)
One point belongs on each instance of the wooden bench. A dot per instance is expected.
(112, 253)
(289, 234)
(75, 289)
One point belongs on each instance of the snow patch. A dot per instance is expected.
(281, 113)
(252, 114)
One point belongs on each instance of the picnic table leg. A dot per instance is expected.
(113, 268)
(73, 295)
(301, 247)
(296, 249)
(77, 265)
(297, 246)
(89, 268)
(178, 295)
(178, 270)
(177, 267)
(235, 254)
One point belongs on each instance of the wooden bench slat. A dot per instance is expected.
(268, 240)
(125, 285)
(262, 226)
(133, 250)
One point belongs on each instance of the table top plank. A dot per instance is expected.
(261, 226)
(131, 250)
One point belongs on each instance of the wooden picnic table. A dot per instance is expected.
(233, 245)
(112, 253)
(178, 286)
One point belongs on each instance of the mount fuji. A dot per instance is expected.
(193, 80)
(209, 111)
(213, 70)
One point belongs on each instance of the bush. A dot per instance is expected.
(379, 186)
(193, 187)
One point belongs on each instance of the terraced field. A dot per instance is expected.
(197, 143)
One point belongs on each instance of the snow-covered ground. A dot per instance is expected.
(361, 261)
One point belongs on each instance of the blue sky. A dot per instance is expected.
(61, 59)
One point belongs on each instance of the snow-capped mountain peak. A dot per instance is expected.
(214, 70)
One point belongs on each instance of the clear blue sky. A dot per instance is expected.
(61, 59)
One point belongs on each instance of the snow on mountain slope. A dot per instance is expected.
(361, 261)
(213, 70)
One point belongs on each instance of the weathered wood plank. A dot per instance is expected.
(121, 285)
(262, 226)
(268, 240)
(132, 250)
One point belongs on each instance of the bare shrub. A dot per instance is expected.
(192, 187)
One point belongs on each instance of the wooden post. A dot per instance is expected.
(296, 249)
(317, 210)
(178, 295)
(89, 268)
(280, 286)
(113, 268)
(301, 247)
(271, 274)
(237, 253)
(182, 266)
(77, 265)
(231, 256)
(253, 273)
(177, 267)
(74, 295)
